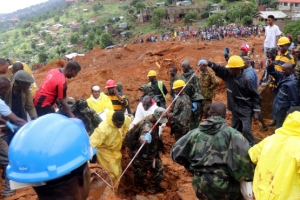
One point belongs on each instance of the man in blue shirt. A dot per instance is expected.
(252, 75)
(249, 71)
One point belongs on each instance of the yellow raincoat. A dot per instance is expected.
(277, 174)
(100, 104)
(107, 139)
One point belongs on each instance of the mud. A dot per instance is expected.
(130, 65)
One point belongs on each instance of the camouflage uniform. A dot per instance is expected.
(218, 156)
(148, 158)
(182, 111)
(88, 116)
(172, 80)
(209, 83)
(148, 90)
(192, 90)
(297, 72)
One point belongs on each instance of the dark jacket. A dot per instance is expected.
(242, 97)
(26, 100)
(287, 94)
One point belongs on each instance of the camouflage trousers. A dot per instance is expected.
(211, 187)
(204, 108)
(140, 169)
(195, 118)
(178, 131)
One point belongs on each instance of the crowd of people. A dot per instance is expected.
(48, 138)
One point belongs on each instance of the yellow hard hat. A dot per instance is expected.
(178, 84)
(152, 73)
(235, 62)
(283, 41)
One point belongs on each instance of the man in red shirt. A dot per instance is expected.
(53, 88)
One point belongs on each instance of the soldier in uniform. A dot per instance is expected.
(148, 158)
(192, 90)
(181, 112)
(209, 83)
(217, 155)
(173, 78)
(88, 116)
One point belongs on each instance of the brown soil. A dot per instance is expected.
(130, 65)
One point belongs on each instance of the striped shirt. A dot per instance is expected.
(283, 58)
(117, 104)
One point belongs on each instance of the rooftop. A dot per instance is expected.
(265, 14)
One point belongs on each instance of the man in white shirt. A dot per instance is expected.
(272, 33)
(145, 108)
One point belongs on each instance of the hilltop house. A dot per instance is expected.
(289, 5)
(56, 27)
(281, 18)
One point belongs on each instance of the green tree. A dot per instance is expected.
(56, 19)
(134, 2)
(247, 20)
(43, 34)
(24, 46)
(48, 39)
(190, 17)
(5, 53)
(16, 36)
(42, 57)
(215, 19)
(140, 6)
(74, 38)
(97, 6)
(240, 10)
(33, 45)
(205, 15)
(91, 36)
(106, 40)
(158, 14)
(84, 29)
(89, 44)
(99, 31)
(293, 28)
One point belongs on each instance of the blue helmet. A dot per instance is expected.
(48, 148)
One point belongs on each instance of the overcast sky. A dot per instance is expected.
(8, 6)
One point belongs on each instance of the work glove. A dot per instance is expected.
(195, 106)
(11, 126)
(148, 138)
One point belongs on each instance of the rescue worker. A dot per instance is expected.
(226, 53)
(242, 98)
(3, 65)
(252, 75)
(245, 52)
(117, 99)
(54, 89)
(283, 55)
(287, 94)
(15, 68)
(19, 98)
(217, 155)
(173, 78)
(99, 101)
(120, 91)
(160, 90)
(297, 68)
(148, 158)
(88, 116)
(147, 90)
(278, 178)
(107, 139)
(209, 83)
(12, 122)
(144, 109)
(192, 90)
(55, 162)
(180, 112)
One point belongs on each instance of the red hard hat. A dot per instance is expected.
(244, 48)
(110, 83)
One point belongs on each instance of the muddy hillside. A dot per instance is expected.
(130, 66)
